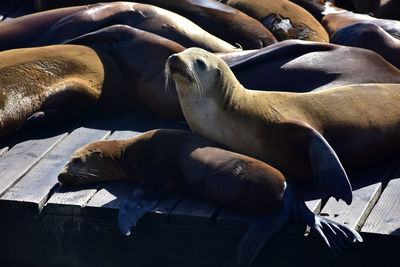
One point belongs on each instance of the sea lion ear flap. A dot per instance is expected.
(328, 173)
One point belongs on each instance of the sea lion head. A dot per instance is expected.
(198, 73)
(95, 162)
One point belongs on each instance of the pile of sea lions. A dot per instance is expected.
(274, 92)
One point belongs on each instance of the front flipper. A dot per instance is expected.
(262, 229)
(328, 172)
(335, 235)
(134, 207)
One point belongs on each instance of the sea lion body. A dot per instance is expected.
(179, 161)
(13, 34)
(301, 66)
(370, 36)
(360, 122)
(223, 21)
(95, 17)
(335, 21)
(283, 18)
(114, 73)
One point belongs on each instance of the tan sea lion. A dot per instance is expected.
(298, 133)
(221, 20)
(95, 17)
(182, 162)
(123, 67)
(302, 66)
(283, 18)
(370, 36)
(335, 21)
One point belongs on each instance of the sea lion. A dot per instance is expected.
(297, 133)
(301, 66)
(335, 21)
(94, 17)
(182, 162)
(122, 68)
(27, 29)
(221, 20)
(370, 36)
(283, 18)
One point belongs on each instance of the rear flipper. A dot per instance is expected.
(262, 229)
(329, 175)
(134, 207)
(335, 235)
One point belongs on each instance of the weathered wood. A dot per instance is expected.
(160, 213)
(22, 157)
(193, 212)
(35, 187)
(70, 200)
(385, 216)
(355, 214)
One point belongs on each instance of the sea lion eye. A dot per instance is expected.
(201, 63)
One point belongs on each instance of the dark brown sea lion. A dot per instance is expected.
(223, 21)
(124, 67)
(179, 161)
(94, 17)
(283, 18)
(293, 132)
(372, 37)
(13, 34)
(335, 21)
(301, 66)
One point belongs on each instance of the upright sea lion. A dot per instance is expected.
(293, 132)
(179, 161)
(335, 21)
(221, 20)
(123, 67)
(301, 66)
(283, 18)
(94, 17)
(370, 36)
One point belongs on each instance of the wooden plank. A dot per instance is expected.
(353, 215)
(22, 157)
(70, 200)
(384, 218)
(161, 213)
(193, 212)
(367, 187)
(34, 189)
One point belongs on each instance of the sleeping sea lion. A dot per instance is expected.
(283, 18)
(370, 36)
(95, 17)
(302, 66)
(182, 162)
(335, 21)
(122, 68)
(223, 21)
(297, 133)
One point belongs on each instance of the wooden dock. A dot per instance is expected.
(43, 222)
